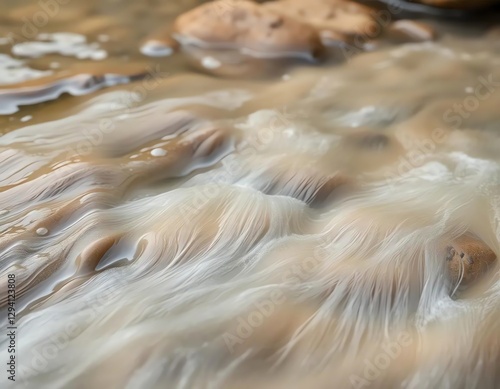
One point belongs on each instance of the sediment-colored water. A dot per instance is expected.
(228, 213)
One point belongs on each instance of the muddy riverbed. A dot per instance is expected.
(236, 194)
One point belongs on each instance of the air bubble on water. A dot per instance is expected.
(158, 152)
(210, 63)
(42, 231)
(156, 49)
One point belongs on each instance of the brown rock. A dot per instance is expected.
(244, 25)
(411, 31)
(341, 17)
(467, 259)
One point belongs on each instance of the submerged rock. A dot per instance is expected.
(468, 259)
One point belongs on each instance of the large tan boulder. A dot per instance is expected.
(329, 16)
(247, 26)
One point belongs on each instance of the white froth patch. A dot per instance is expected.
(476, 165)
(63, 43)
(13, 71)
(361, 117)
(431, 171)
(210, 63)
(484, 172)
(258, 118)
(271, 129)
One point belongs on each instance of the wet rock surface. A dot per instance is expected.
(248, 26)
(468, 259)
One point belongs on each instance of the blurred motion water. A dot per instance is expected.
(186, 217)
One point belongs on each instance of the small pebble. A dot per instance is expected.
(158, 152)
(26, 118)
(468, 259)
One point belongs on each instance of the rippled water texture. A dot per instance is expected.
(310, 213)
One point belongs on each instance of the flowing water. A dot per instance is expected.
(204, 219)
